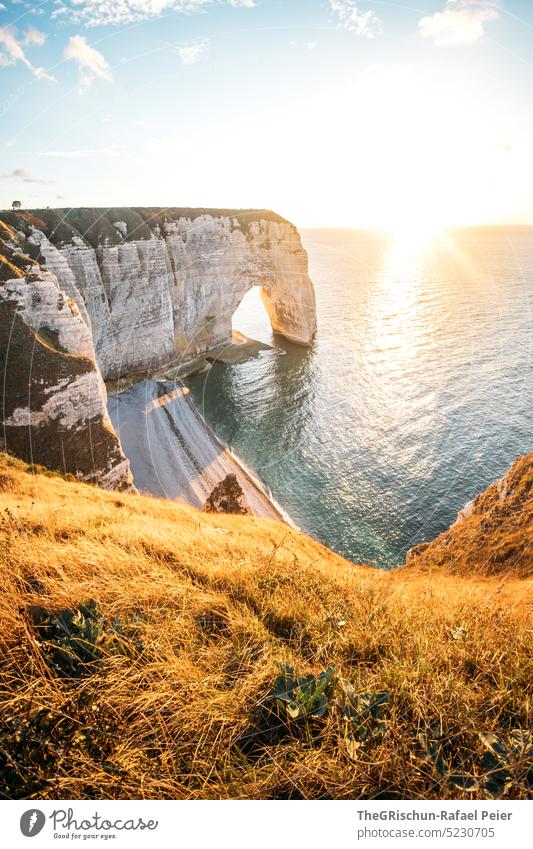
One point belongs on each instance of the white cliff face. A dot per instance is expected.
(58, 264)
(162, 302)
(54, 398)
(50, 312)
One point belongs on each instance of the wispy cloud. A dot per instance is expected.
(351, 17)
(32, 37)
(460, 22)
(99, 12)
(12, 50)
(83, 153)
(192, 53)
(21, 176)
(309, 45)
(92, 64)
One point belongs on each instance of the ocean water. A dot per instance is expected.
(415, 396)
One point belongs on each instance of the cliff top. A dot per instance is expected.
(152, 650)
(95, 225)
(13, 263)
(494, 533)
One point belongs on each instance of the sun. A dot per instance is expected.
(413, 216)
(404, 151)
(412, 231)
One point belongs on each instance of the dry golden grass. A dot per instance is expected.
(209, 606)
(497, 536)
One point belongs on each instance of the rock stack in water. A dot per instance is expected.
(228, 497)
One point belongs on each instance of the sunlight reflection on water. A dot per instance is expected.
(416, 395)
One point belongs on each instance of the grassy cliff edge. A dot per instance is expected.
(153, 651)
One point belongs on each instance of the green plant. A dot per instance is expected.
(75, 641)
(466, 783)
(71, 640)
(302, 698)
(363, 716)
(430, 744)
(504, 763)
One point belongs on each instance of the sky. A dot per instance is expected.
(334, 113)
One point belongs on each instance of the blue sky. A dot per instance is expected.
(332, 112)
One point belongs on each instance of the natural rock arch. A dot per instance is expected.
(168, 297)
(269, 256)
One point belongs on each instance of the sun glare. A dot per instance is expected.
(416, 231)
(410, 153)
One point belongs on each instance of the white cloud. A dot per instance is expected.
(22, 176)
(350, 17)
(192, 53)
(32, 37)
(83, 153)
(99, 12)
(69, 154)
(91, 63)
(12, 50)
(309, 45)
(460, 22)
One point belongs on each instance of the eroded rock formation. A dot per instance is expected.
(228, 497)
(158, 288)
(88, 294)
(53, 399)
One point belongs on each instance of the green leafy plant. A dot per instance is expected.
(363, 716)
(75, 641)
(459, 633)
(466, 783)
(430, 744)
(504, 762)
(303, 697)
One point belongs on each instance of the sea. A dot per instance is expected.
(416, 394)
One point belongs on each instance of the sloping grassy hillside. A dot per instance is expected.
(145, 650)
(496, 534)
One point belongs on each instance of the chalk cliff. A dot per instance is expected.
(104, 293)
(53, 397)
(159, 287)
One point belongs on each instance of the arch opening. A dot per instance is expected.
(251, 317)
